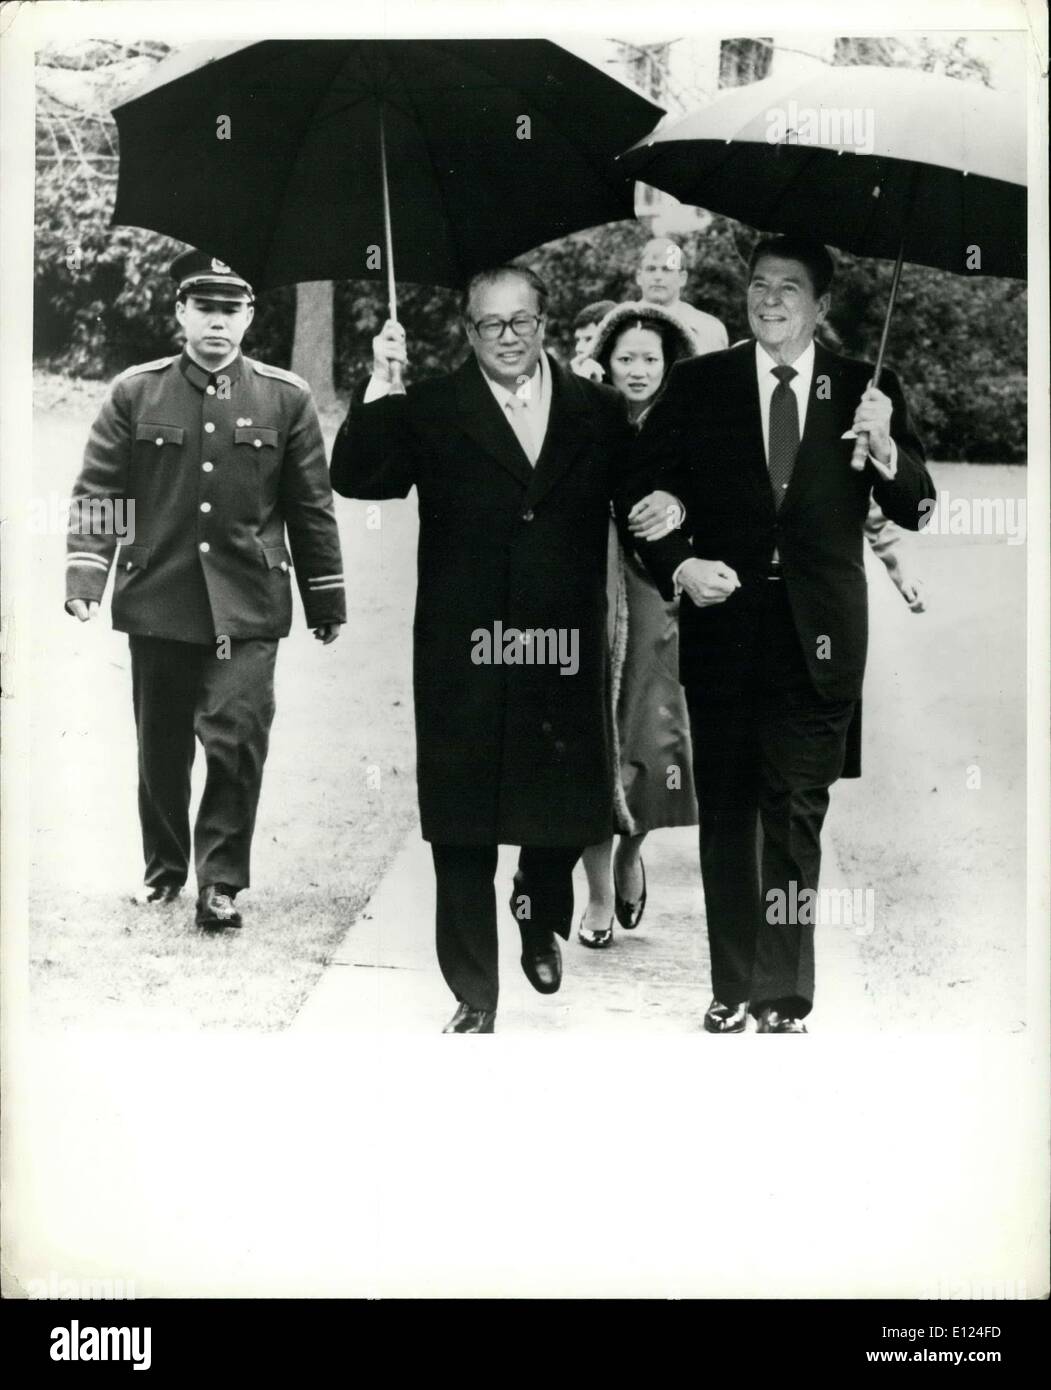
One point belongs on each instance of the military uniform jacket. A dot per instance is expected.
(217, 467)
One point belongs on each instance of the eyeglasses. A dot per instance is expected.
(522, 326)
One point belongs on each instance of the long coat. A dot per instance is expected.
(704, 443)
(215, 468)
(506, 753)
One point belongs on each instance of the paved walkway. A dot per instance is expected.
(384, 977)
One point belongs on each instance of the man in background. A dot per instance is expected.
(585, 330)
(661, 278)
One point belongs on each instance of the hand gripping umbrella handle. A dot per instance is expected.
(861, 444)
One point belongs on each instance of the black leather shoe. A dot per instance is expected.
(541, 958)
(158, 896)
(726, 1018)
(774, 1021)
(629, 914)
(468, 1019)
(596, 938)
(215, 907)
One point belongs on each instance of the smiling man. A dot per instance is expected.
(773, 629)
(515, 461)
(212, 455)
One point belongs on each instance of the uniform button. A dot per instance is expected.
(209, 428)
(206, 506)
(258, 443)
(240, 422)
(204, 547)
(527, 516)
(210, 390)
(546, 726)
(160, 440)
(284, 565)
(128, 565)
(207, 467)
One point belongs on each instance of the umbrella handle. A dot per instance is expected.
(397, 385)
(861, 444)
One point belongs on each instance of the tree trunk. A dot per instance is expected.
(313, 346)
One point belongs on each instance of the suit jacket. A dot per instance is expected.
(704, 442)
(215, 468)
(506, 753)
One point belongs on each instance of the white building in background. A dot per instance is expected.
(684, 73)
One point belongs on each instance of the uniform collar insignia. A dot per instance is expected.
(197, 376)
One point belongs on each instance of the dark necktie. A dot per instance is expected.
(784, 433)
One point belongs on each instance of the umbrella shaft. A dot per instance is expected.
(392, 300)
(895, 282)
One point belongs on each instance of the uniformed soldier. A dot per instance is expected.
(212, 456)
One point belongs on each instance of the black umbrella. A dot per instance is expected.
(473, 150)
(879, 161)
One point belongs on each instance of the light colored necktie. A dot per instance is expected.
(521, 422)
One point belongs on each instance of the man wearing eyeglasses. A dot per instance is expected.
(515, 461)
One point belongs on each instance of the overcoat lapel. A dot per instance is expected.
(568, 430)
(482, 419)
(745, 386)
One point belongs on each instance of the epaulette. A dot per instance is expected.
(154, 366)
(278, 373)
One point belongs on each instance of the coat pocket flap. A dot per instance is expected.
(257, 437)
(277, 557)
(134, 557)
(159, 434)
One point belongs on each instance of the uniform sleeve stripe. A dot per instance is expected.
(322, 578)
(78, 559)
(332, 584)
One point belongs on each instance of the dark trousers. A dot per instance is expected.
(185, 689)
(766, 749)
(466, 915)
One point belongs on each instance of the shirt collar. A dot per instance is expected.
(198, 377)
(804, 363)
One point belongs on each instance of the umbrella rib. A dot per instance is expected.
(414, 113)
(292, 169)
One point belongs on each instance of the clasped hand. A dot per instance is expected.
(707, 582)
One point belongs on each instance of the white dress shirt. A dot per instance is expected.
(799, 386)
(528, 408)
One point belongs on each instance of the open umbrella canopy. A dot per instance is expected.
(875, 160)
(268, 155)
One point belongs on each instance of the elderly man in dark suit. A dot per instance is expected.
(756, 443)
(515, 461)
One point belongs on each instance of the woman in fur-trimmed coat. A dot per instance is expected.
(636, 346)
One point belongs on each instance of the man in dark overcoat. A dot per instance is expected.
(757, 442)
(515, 461)
(206, 458)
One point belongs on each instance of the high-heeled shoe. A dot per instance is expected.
(629, 914)
(596, 939)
